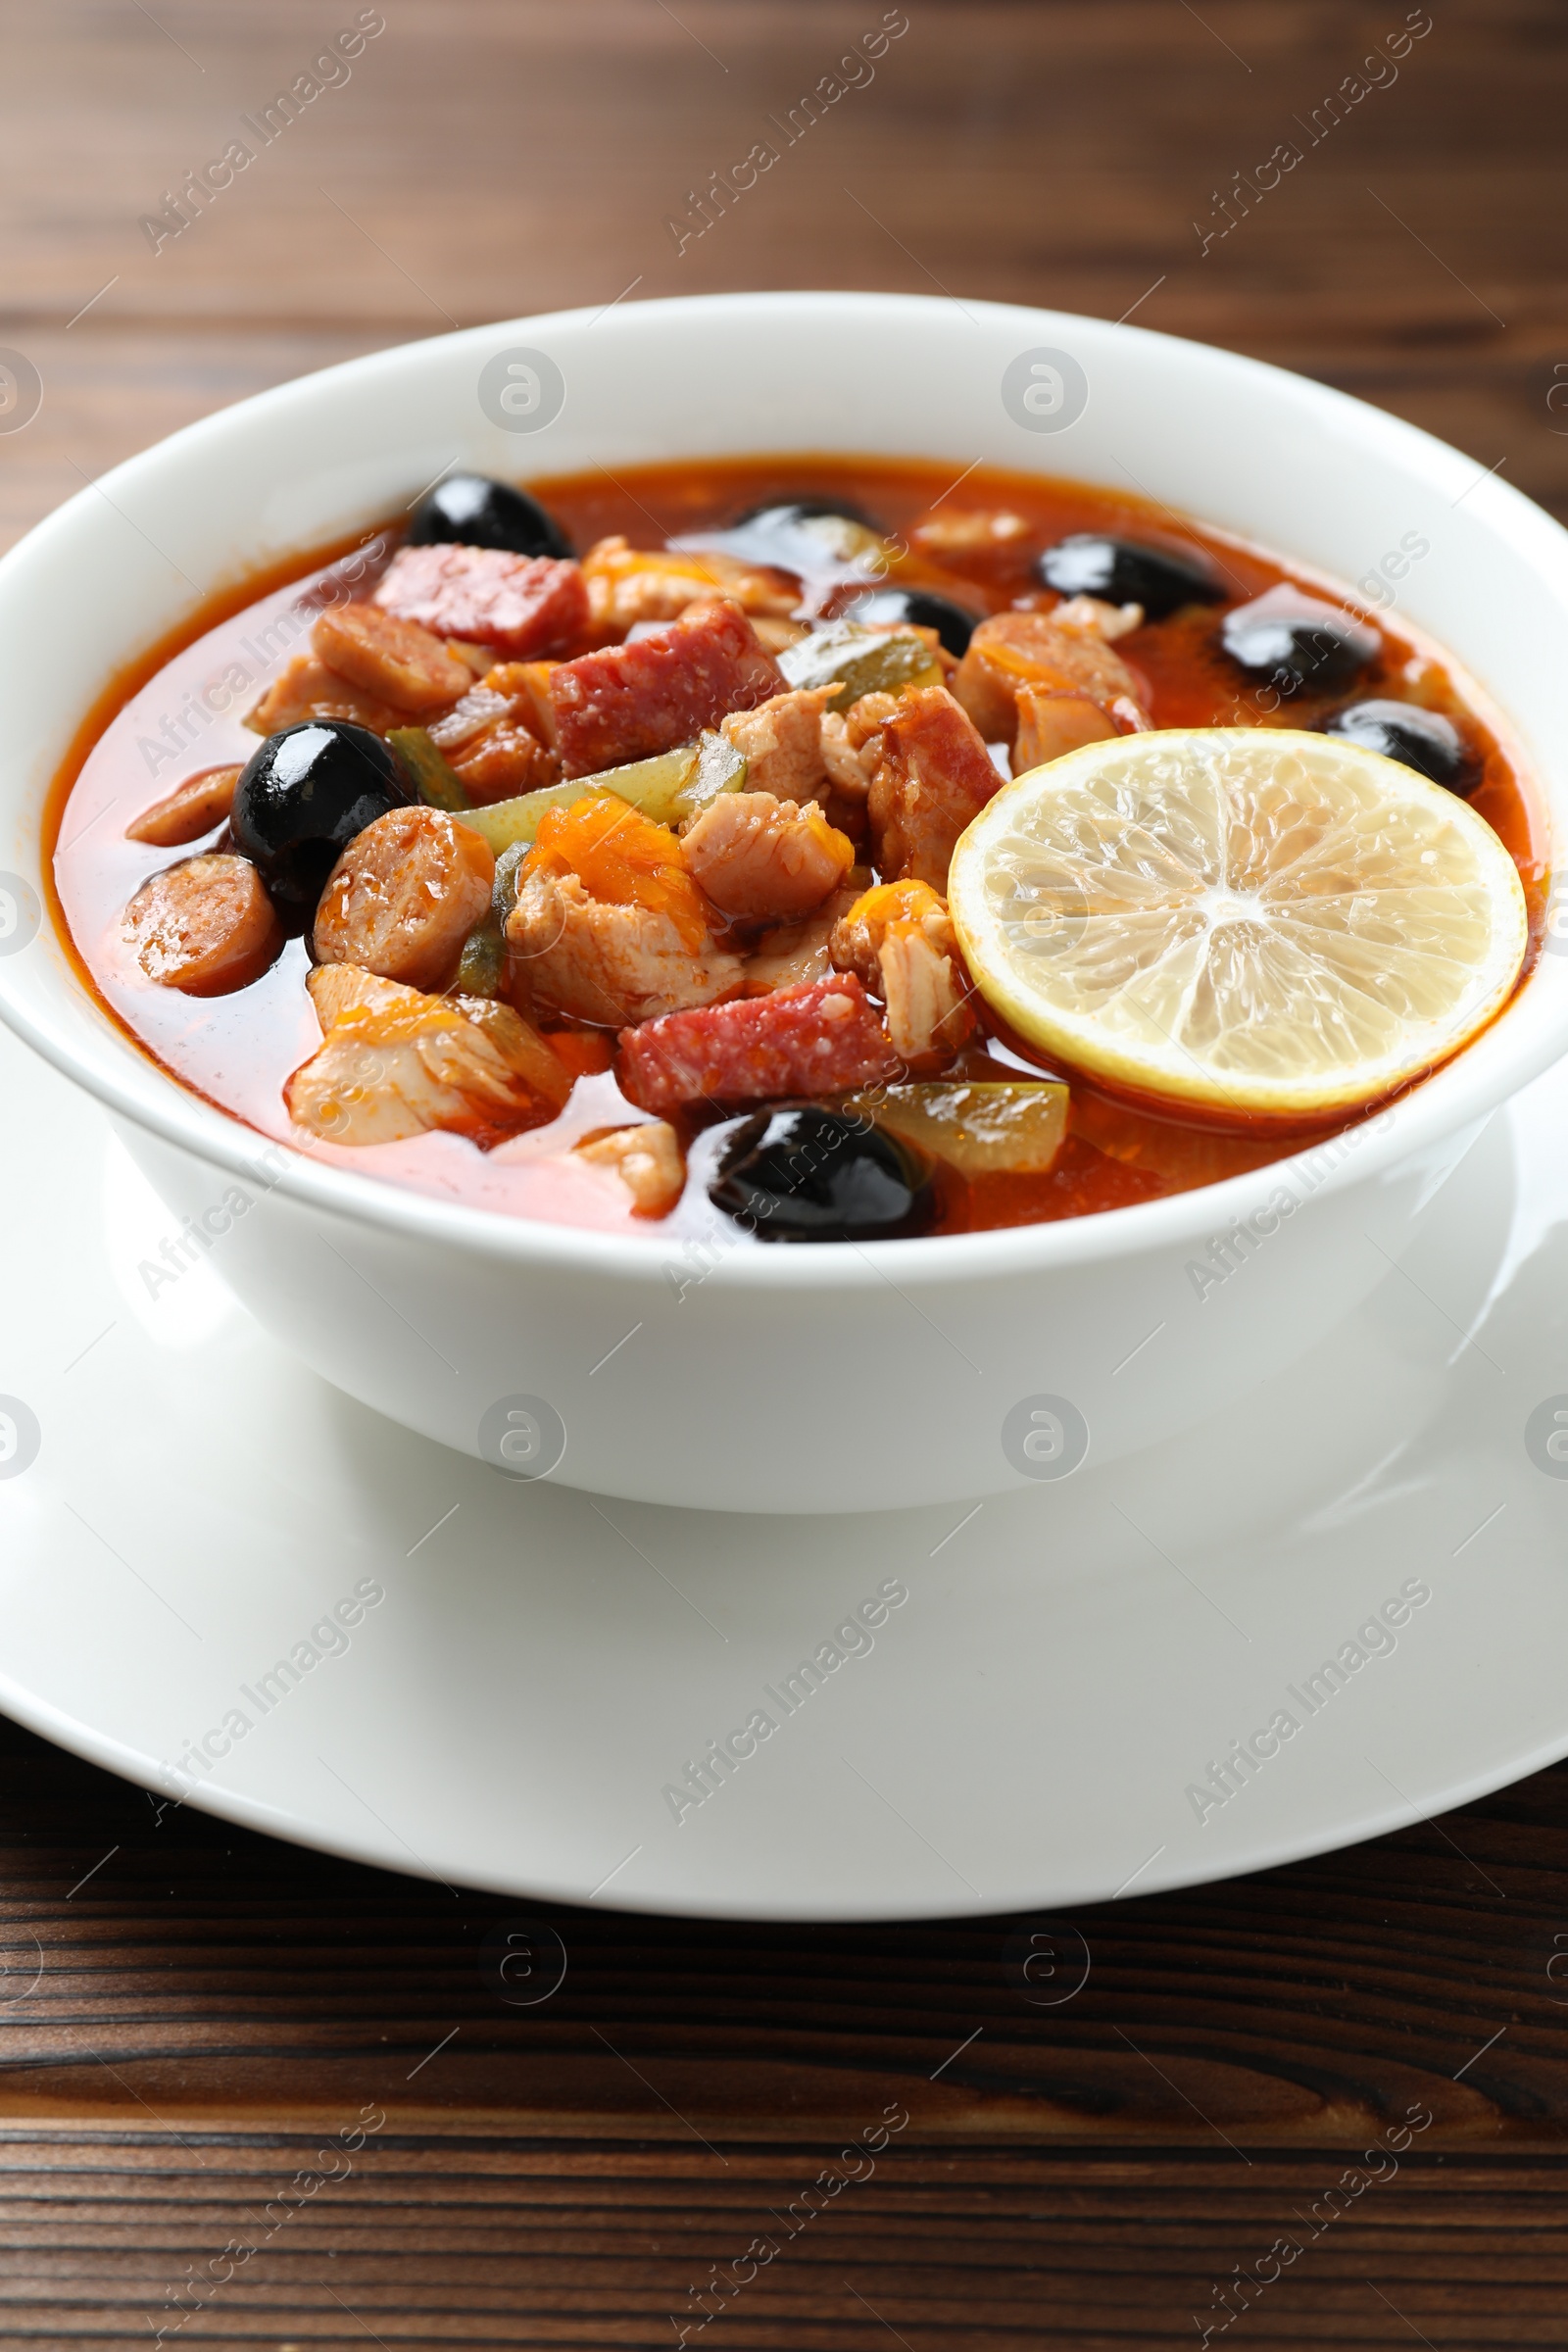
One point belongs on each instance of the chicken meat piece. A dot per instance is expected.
(797, 953)
(523, 605)
(525, 686)
(397, 660)
(341, 992)
(610, 964)
(1014, 650)
(931, 775)
(899, 939)
(757, 857)
(648, 1159)
(865, 717)
(782, 743)
(631, 584)
(481, 707)
(307, 689)
(627, 701)
(846, 773)
(857, 935)
(929, 1015)
(396, 1062)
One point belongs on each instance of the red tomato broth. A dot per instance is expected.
(181, 708)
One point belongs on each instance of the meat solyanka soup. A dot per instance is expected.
(642, 853)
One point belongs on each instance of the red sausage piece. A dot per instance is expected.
(813, 1039)
(627, 701)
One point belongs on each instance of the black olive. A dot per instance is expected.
(1420, 739)
(1124, 571)
(812, 1175)
(474, 511)
(952, 623)
(301, 798)
(1313, 647)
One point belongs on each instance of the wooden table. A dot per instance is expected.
(213, 2012)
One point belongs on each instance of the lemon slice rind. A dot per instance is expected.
(1257, 922)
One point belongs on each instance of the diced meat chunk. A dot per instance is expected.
(1013, 650)
(628, 702)
(858, 934)
(841, 757)
(389, 656)
(191, 810)
(599, 961)
(931, 775)
(816, 1040)
(344, 992)
(928, 1010)
(204, 927)
(648, 1161)
(397, 1062)
(527, 684)
(481, 708)
(798, 952)
(404, 897)
(622, 857)
(865, 715)
(899, 938)
(755, 855)
(1052, 723)
(338, 991)
(504, 761)
(522, 604)
(631, 584)
(307, 689)
(781, 743)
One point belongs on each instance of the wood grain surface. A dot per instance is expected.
(190, 2017)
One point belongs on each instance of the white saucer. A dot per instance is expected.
(1026, 1732)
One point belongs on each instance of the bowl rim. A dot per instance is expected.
(133, 1086)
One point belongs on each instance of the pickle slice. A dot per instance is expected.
(667, 788)
(978, 1126)
(864, 661)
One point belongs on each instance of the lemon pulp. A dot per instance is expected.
(1249, 921)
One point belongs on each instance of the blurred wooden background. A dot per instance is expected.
(488, 158)
(211, 2005)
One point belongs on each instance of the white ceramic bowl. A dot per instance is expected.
(820, 1377)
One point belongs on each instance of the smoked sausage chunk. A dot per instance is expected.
(404, 897)
(204, 927)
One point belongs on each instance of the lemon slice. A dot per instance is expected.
(1249, 921)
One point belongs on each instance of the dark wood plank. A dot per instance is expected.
(211, 2006)
(215, 2010)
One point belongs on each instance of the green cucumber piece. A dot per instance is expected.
(864, 661)
(437, 785)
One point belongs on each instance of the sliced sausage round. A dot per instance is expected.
(191, 810)
(404, 897)
(406, 664)
(204, 927)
